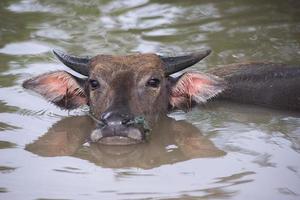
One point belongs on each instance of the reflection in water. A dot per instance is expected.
(3, 190)
(6, 145)
(171, 141)
(5, 169)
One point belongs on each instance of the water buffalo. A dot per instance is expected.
(127, 95)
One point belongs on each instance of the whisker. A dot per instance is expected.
(95, 119)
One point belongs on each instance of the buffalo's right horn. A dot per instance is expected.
(178, 63)
(78, 64)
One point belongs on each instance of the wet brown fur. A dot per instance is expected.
(122, 85)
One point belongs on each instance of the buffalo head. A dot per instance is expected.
(126, 94)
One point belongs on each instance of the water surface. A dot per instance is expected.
(219, 151)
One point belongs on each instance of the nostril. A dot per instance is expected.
(126, 119)
(105, 116)
(114, 118)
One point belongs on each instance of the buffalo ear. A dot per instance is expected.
(194, 88)
(60, 88)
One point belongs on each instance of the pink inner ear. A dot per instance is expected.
(197, 87)
(58, 87)
(194, 83)
(55, 84)
(60, 83)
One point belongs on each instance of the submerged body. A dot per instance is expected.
(266, 84)
(127, 95)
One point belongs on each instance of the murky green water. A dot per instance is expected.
(222, 151)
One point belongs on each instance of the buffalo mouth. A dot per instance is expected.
(118, 135)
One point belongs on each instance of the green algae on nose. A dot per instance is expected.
(140, 120)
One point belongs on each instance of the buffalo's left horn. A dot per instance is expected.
(78, 64)
(178, 63)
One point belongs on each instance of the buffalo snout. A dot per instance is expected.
(115, 128)
(116, 118)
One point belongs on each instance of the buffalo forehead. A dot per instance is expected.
(138, 62)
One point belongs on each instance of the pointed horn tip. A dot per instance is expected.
(57, 52)
(78, 64)
(202, 54)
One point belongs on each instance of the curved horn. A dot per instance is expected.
(78, 64)
(178, 63)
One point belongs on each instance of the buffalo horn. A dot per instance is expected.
(178, 63)
(78, 64)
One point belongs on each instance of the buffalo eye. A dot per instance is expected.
(94, 84)
(153, 82)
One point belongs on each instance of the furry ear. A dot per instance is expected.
(60, 88)
(194, 88)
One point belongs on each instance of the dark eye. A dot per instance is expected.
(153, 82)
(94, 84)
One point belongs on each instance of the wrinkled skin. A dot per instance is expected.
(127, 95)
